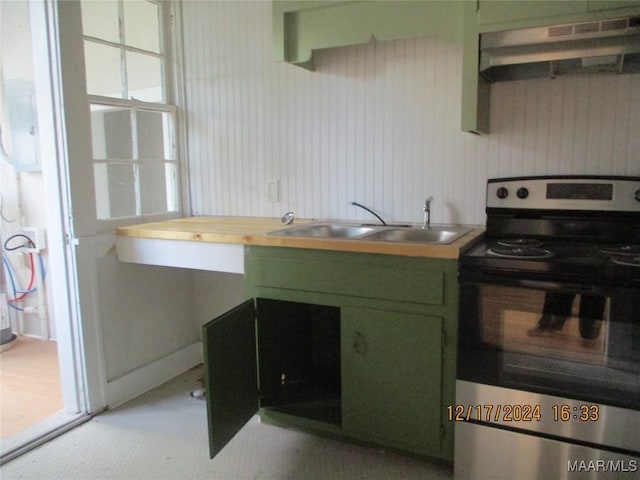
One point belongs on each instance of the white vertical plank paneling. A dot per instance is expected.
(540, 142)
(568, 123)
(579, 147)
(606, 132)
(594, 127)
(439, 159)
(379, 124)
(556, 109)
(532, 108)
(518, 130)
(454, 207)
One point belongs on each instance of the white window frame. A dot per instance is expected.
(171, 76)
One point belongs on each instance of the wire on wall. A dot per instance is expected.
(18, 294)
(2, 215)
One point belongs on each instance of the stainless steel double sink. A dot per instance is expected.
(436, 234)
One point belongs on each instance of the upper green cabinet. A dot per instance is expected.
(510, 14)
(595, 5)
(508, 10)
(300, 27)
(495, 15)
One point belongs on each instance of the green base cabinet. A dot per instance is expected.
(391, 379)
(351, 345)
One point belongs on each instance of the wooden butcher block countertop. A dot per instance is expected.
(253, 231)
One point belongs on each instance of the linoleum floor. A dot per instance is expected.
(163, 435)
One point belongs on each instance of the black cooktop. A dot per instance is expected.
(590, 262)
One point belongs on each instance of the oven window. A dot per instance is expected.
(554, 341)
(552, 324)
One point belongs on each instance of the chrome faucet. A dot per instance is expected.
(427, 213)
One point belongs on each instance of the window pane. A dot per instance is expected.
(111, 133)
(157, 188)
(103, 70)
(150, 135)
(115, 190)
(155, 135)
(144, 77)
(100, 19)
(141, 25)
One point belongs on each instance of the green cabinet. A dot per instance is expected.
(596, 5)
(230, 374)
(510, 14)
(353, 345)
(271, 354)
(500, 11)
(300, 27)
(391, 378)
(491, 16)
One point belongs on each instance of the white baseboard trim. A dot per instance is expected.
(150, 376)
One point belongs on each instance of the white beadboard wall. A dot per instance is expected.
(378, 124)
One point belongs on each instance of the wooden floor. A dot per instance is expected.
(29, 384)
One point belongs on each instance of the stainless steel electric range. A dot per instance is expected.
(548, 376)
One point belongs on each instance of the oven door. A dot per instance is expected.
(571, 341)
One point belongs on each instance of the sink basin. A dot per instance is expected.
(324, 230)
(436, 234)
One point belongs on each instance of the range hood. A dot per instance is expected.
(604, 46)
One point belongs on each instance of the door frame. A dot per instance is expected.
(81, 372)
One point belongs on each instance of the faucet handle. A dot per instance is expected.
(288, 218)
(427, 202)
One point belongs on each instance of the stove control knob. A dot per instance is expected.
(637, 196)
(502, 192)
(522, 193)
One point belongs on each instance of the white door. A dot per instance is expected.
(108, 125)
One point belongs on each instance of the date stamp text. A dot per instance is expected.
(522, 413)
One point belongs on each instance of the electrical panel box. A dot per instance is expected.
(24, 152)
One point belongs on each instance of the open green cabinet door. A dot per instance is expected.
(230, 373)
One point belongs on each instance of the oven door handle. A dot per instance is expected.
(514, 281)
(555, 286)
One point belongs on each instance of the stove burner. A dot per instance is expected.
(620, 249)
(627, 260)
(520, 242)
(519, 252)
